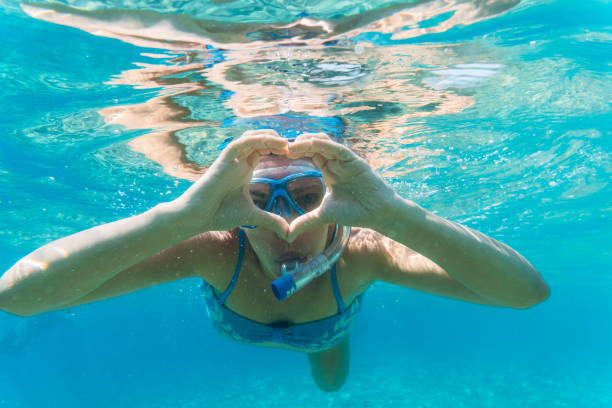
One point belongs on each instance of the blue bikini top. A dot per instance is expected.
(316, 335)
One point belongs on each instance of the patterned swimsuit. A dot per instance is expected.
(311, 336)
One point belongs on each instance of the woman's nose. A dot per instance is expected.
(284, 209)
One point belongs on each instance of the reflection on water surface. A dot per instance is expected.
(467, 107)
(219, 77)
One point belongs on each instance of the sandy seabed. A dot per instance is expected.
(435, 386)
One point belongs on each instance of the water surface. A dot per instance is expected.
(492, 114)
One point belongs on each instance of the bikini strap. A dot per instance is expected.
(237, 271)
(337, 290)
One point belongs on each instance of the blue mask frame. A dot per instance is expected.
(279, 189)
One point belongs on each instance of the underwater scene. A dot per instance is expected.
(492, 114)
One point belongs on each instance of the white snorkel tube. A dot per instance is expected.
(296, 275)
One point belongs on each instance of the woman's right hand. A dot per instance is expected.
(220, 200)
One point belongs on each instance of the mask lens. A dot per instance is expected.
(260, 194)
(307, 192)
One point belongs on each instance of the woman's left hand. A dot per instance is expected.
(356, 195)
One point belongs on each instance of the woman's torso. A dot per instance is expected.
(252, 298)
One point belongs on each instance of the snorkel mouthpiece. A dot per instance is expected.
(296, 275)
(284, 287)
(290, 265)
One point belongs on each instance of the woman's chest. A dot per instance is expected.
(252, 297)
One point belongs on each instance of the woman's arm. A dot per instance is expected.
(373, 256)
(492, 271)
(205, 256)
(70, 268)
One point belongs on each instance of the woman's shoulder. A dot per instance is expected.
(368, 251)
(360, 258)
(365, 242)
(215, 255)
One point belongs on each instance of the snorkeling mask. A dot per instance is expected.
(301, 192)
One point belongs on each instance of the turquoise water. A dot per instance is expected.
(496, 116)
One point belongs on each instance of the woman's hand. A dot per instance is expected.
(356, 195)
(220, 200)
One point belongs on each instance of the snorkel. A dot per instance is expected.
(296, 275)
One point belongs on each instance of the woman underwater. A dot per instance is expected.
(265, 205)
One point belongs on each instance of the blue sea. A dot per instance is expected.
(494, 114)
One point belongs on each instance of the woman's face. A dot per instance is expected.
(272, 250)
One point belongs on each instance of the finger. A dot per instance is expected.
(270, 221)
(319, 161)
(264, 144)
(306, 136)
(253, 159)
(260, 132)
(325, 147)
(301, 148)
(306, 140)
(303, 224)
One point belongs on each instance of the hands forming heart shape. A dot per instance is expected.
(219, 200)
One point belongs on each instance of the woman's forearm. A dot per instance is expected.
(486, 266)
(71, 267)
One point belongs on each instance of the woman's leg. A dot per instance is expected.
(329, 368)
